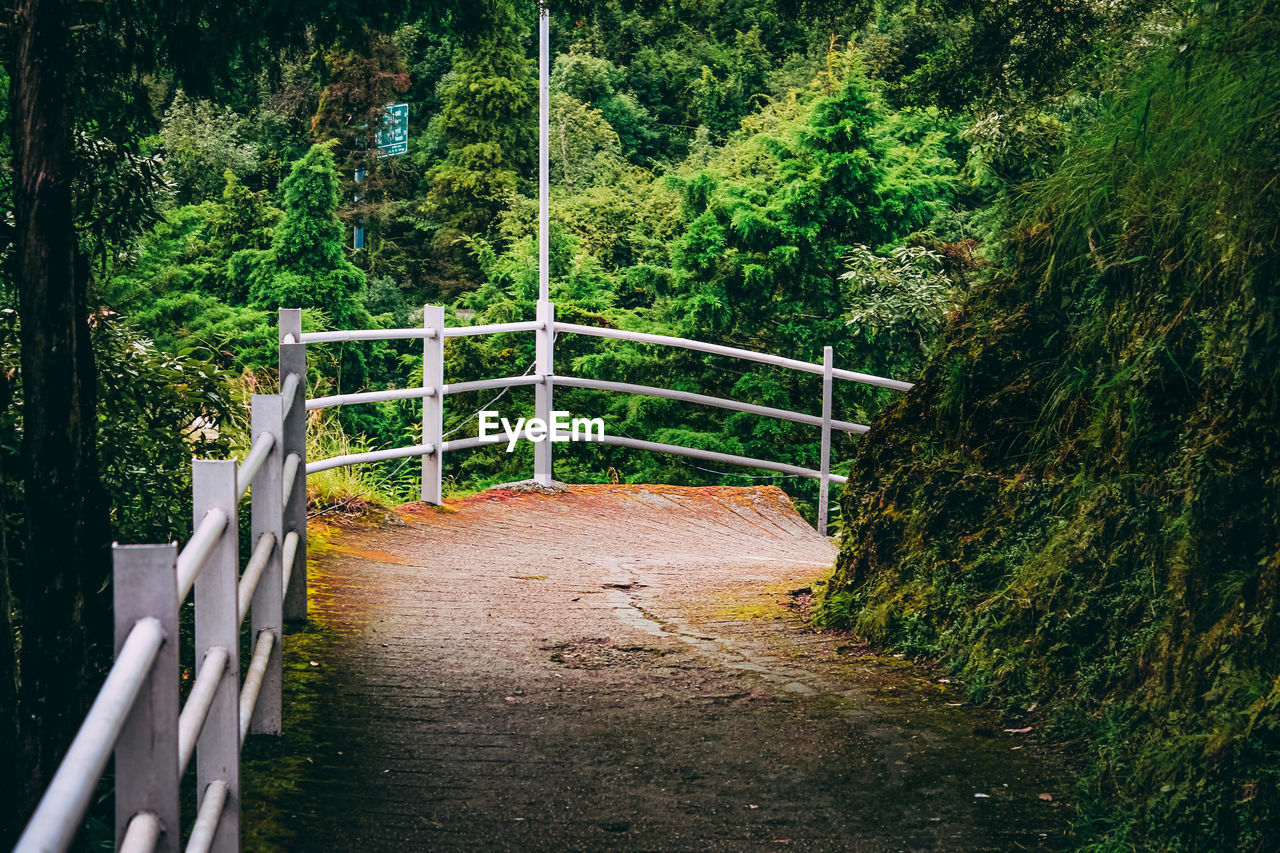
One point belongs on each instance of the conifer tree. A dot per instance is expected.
(764, 245)
(305, 266)
(487, 124)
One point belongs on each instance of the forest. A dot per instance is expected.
(1057, 217)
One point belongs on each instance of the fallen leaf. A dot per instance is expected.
(1021, 731)
(1048, 798)
(1019, 746)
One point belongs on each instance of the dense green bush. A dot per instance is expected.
(156, 411)
(1077, 507)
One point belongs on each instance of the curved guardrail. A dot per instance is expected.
(434, 389)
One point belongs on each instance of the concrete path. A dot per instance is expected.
(618, 668)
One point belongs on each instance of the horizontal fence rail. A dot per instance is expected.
(371, 456)
(657, 447)
(703, 399)
(365, 335)
(731, 352)
(492, 329)
(491, 384)
(369, 397)
(137, 714)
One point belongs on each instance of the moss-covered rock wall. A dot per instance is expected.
(1078, 507)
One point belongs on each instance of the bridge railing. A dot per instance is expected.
(138, 714)
(544, 379)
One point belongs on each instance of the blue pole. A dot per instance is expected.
(357, 238)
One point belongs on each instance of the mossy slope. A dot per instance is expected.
(1079, 505)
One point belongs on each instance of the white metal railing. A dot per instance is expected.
(544, 379)
(136, 714)
(703, 399)
(366, 335)
(732, 352)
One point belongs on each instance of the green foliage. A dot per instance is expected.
(306, 266)
(202, 141)
(772, 215)
(118, 194)
(585, 148)
(187, 286)
(487, 126)
(661, 72)
(587, 78)
(598, 83)
(1076, 509)
(386, 298)
(155, 411)
(905, 296)
(955, 53)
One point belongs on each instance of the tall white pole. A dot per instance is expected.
(542, 466)
(544, 147)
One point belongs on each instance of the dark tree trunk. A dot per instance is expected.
(8, 651)
(65, 553)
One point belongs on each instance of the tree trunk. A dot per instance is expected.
(65, 559)
(8, 651)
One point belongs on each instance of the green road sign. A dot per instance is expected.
(392, 137)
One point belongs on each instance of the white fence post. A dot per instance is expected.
(144, 583)
(433, 406)
(824, 482)
(218, 625)
(267, 514)
(293, 362)
(544, 366)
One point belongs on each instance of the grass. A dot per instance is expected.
(356, 488)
